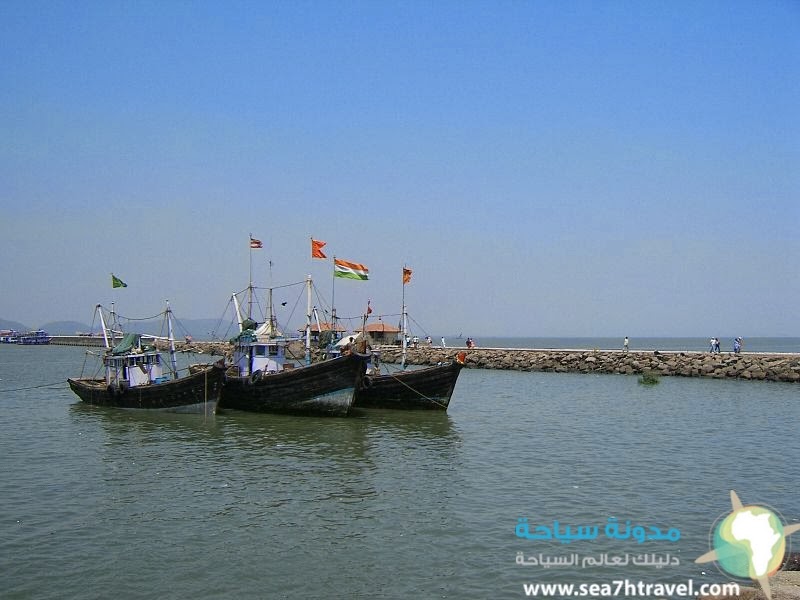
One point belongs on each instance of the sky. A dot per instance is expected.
(545, 168)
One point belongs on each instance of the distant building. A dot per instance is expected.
(381, 333)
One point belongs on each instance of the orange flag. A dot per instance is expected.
(316, 249)
(406, 275)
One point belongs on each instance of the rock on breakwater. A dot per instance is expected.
(757, 366)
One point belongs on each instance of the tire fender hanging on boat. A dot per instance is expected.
(255, 376)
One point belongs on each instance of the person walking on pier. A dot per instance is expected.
(625, 343)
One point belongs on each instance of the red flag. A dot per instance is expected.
(254, 243)
(406, 275)
(316, 249)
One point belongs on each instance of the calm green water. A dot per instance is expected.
(101, 503)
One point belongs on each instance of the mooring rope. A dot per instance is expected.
(417, 392)
(33, 387)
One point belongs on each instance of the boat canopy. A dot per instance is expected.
(267, 330)
(350, 338)
(128, 343)
(262, 333)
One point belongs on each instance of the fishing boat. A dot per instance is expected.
(428, 388)
(137, 377)
(264, 377)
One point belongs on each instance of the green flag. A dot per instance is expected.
(117, 282)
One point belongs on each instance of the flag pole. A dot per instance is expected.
(250, 281)
(308, 321)
(404, 322)
(333, 296)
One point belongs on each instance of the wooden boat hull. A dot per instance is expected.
(325, 388)
(422, 389)
(197, 392)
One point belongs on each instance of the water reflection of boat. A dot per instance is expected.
(408, 425)
(353, 441)
(137, 377)
(126, 422)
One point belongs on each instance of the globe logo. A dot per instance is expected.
(749, 543)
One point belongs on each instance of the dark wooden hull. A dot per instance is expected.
(428, 389)
(197, 392)
(324, 388)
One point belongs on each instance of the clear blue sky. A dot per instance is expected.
(545, 167)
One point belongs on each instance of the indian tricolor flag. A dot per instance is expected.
(350, 270)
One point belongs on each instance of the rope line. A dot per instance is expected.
(33, 387)
(416, 391)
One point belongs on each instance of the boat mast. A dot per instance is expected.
(103, 324)
(316, 320)
(404, 327)
(270, 314)
(172, 358)
(114, 324)
(273, 322)
(333, 296)
(364, 326)
(308, 319)
(250, 281)
(238, 310)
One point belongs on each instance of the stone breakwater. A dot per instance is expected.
(753, 366)
(758, 366)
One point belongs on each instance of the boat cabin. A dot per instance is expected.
(251, 355)
(131, 364)
(134, 369)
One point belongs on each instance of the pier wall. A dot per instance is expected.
(76, 340)
(756, 366)
(747, 365)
